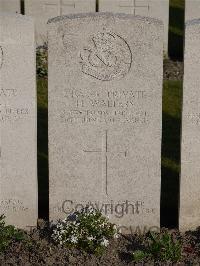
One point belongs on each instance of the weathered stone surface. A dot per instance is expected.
(18, 168)
(158, 9)
(192, 9)
(12, 6)
(190, 152)
(43, 10)
(105, 95)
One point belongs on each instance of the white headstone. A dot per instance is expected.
(192, 9)
(12, 6)
(158, 9)
(190, 151)
(105, 115)
(18, 142)
(43, 10)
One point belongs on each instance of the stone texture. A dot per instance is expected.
(105, 106)
(12, 6)
(18, 158)
(190, 152)
(192, 9)
(43, 10)
(150, 8)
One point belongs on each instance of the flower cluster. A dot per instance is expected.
(42, 62)
(87, 229)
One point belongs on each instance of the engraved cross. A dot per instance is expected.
(135, 6)
(60, 6)
(105, 153)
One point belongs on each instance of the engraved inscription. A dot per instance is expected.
(8, 93)
(1, 57)
(12, 205)
(105, 153)
(104, 106)
(11, 114)
(107, 57)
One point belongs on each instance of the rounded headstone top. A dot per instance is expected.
(106, 14)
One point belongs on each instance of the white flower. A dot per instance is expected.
(114, 227)
(60, 226)
(116, 235)
(74, 239)
(105, 242)
(90, 238)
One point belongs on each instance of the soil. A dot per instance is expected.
(40, 250)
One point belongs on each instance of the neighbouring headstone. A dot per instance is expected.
(43, 10)
(158, 9)
(192, 9)
(190, 151)
(105, 115)
(18, 142)
(12, 6)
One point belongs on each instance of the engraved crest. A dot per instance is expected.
(1, 57)
(107, 57)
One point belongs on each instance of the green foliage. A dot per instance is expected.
(87, 229)
(164, 247)
(8, 234)
(172, 95)
(160, 247)
(177, 3)
(139, 255)
(172, 103)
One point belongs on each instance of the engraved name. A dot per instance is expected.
(104, 106)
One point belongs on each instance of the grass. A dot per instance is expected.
(172, 102)
(160, 247)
